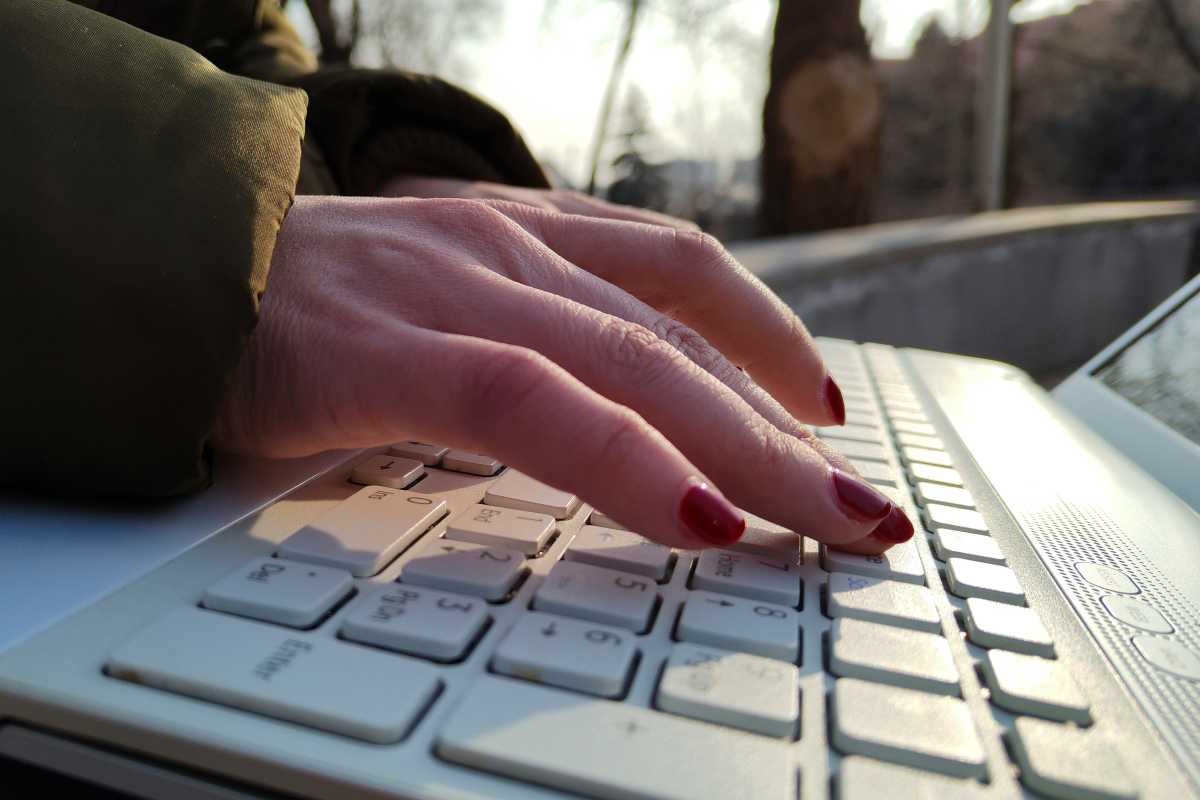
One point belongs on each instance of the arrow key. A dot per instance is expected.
(390, 471)
(569, 653)
(740, 624)
(614, 549)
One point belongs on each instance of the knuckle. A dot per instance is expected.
(688, 342)
(796, 329)
(622, 443)
(702, 248)
(829, 454)
(636, 348)
(477, 219)
(507, 380)
(776, 453)
(706, 257)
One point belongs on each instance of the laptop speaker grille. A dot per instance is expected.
(1067, 534)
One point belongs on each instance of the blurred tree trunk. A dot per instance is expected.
(821, 121)
(336, 44)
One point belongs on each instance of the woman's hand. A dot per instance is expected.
(564, 201)
(596, 355)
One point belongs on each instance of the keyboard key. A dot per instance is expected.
(859, 395)
(310, 680)
(582, 656)
(766, 539)
(1037, 686)
(604, 521)
(600, 595)
(364, 532)
(946, 495)
(925, 455)
(744, 626)
(895, 494)
(992, 624)
(892, 383)
(739, 690)
(876, 472)
(923, 428)
(523, 531)
(863, 450)
(919, 440)
(471, 463)
(859, 404)
(284, 592)
(518, 490)
(896, 390)
(901, 403)
(620, 550)
(885, 602)
(854, 433)
(963, 519)
(899, 413)
(866, 779)
(928, 472)
(916, 729)
(1065, 762)
(1169, 655)
(951, 544)
(986, 581)
(428, 454)
(397, 473)
(487, 572)
(422, 622)
(900, 562)
(1106, 578)
(881, 653)
(1136, 613)
(864, 414)
(897, 393)
(552, 738)
(727, 572)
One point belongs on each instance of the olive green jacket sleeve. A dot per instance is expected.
(143, 189)
(373, 124)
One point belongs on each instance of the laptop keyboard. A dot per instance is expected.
(527, 636)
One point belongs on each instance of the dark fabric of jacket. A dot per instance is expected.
(149, 152)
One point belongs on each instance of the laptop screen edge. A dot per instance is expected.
(1166, 454)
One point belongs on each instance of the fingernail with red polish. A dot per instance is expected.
(860, 500)
(710, 516)
(895, 528)
(834, 401)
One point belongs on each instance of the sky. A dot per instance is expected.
(546, 68)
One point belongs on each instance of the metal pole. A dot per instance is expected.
(994, 87)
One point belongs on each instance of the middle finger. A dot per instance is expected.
(712, 425)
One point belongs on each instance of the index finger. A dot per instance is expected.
(688, 275)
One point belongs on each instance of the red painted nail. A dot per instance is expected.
(710, 516)
(862, 501)
(895, 528)
(833, 399)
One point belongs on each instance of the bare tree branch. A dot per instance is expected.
(610, 91)
(1187, 47)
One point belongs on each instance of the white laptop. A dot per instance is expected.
(414, 622)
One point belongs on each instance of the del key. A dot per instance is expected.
(364, 532)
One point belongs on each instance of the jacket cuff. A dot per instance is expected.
(148, 194)
(372, 125)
